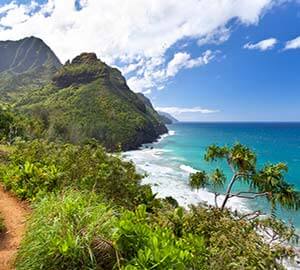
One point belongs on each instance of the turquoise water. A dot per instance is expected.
(169, 162)
(273, 142)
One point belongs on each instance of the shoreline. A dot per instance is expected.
(146, 160)
(169, 176)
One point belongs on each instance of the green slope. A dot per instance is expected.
(25, 64)
(88, 99)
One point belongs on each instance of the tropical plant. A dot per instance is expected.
(38, 167)
(144, 244)
(79, 230)
(266, 182)
(69, 231)
(234, 243)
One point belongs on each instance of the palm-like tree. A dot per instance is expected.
(267, 182)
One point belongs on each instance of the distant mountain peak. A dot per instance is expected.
(167, 118)
(26, 63)
(26, 54)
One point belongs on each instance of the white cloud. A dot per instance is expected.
(263, 45)
(136, 32)
(292, 44)
(216, 37)
(154, 73)
(7, 7)
(179, 110)
(183, 60)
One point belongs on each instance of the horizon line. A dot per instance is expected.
(240, 122)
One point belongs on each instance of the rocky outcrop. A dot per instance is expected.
(86, 58)
(84, 69)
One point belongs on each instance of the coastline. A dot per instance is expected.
(168, 176)
(171, 179)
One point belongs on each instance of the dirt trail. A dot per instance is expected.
(14, 214)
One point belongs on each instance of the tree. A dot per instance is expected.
(10, 124)
(266, 182)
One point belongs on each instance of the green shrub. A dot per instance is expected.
(144, 244)
(68, 231)
(29, 180)
(233, 243)
(13, 125)
(39, 167)
(10, 124)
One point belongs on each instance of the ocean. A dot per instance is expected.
(168, 162)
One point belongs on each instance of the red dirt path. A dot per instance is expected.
(14, 214)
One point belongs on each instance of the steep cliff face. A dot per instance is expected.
(25, 64)
(88, 99)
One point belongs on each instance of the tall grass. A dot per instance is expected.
(68, 231)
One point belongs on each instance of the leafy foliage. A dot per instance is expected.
(199, 180)
(271, 179)
(79, 230)
(146, 245)
(268, 181)
(10, 124)
(202, 238)
(38, 167)
(14, 125)
(232, 243)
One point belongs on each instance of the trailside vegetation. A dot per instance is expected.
(38, 167)
(80, 230)
(69, 231)
(90, 211)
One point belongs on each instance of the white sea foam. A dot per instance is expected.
(163, 136)
(172, 132)
(168, 177)
(187, 168)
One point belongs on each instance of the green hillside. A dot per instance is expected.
(25, 64)
(87, 99)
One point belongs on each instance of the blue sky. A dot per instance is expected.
(197, 69)
(245, 85)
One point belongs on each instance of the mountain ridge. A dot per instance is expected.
(167, 118)
(25, 64)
